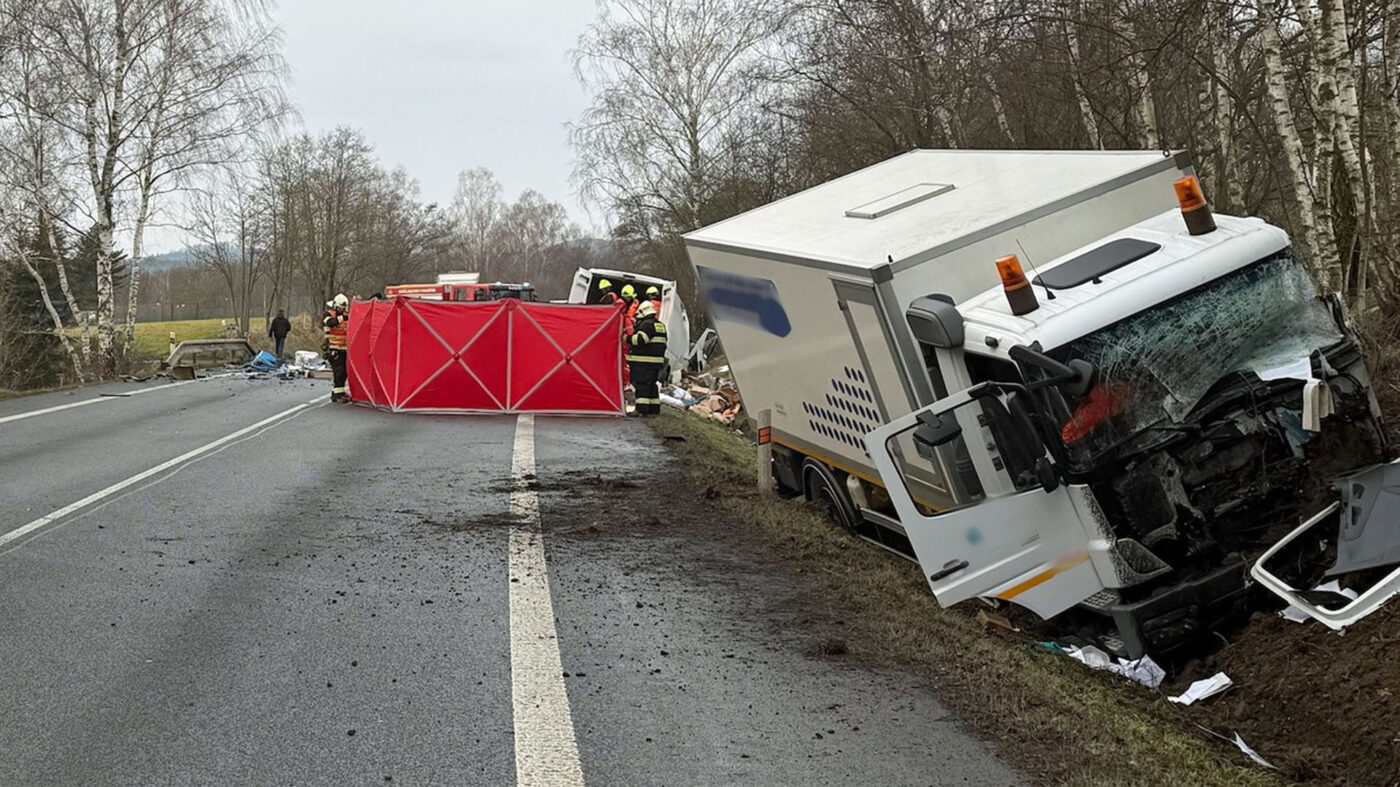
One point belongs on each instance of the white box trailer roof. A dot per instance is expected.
(809, 293)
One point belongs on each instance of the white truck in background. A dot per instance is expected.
(1107, 424)
(585, 289)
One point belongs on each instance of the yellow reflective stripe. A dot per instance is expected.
(1073, 561)
(646, 359)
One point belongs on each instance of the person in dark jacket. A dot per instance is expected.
(647, 358)
(278, 330)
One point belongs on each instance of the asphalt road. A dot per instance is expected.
(304, 593)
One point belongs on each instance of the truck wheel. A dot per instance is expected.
(829, 494)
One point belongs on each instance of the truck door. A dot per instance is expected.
(899, 383)
(1014, 541)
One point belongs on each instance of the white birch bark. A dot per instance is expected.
(1086, 110)
(945, 121)
(999, 109)
(1344, 115)
(1276, 80)
(58, 331)
(1139, 82)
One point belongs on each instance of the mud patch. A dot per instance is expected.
(495, 521)
(590, 484)
(1323, 707)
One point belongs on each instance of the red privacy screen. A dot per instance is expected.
(503, 356)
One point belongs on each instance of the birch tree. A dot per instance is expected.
(668, 80)
(145, 91)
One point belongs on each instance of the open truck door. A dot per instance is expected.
(1021, 537)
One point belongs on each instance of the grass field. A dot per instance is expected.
(153, 338)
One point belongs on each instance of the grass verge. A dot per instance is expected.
(1051, 717)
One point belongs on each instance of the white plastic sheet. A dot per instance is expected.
(1203, 689)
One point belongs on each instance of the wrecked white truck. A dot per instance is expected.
(1056, 380)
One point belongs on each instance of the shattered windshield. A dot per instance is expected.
(1155, 367)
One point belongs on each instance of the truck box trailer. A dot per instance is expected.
(1053, 378)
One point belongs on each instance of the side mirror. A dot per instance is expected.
(937, 429)
(1076, 377)
(1045, 473)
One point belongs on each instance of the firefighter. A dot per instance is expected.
(337, 327)
(647, 357)
(654, 296)
(606, 297)
(629, 300)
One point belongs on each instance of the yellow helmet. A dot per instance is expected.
(604, 284)
(653, 291)
(629, 292)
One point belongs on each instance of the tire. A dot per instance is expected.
(824, 490)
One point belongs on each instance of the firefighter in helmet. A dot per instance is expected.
(337, 327)
(606, 297)
(654, 296)
(647, 357)
(629, 300)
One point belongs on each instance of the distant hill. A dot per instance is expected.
(171, 260)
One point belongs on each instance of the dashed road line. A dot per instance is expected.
(546, 750)
(95, 497)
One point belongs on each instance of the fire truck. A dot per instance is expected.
(462, 287)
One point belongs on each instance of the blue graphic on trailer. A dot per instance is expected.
(744, 299)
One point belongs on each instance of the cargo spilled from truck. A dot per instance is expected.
(1107, 425)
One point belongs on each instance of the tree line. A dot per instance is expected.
(700, 109)
(118, 115)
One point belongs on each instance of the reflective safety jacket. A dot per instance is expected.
(337, 327)
(648, 341)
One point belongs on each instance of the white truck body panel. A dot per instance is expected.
(673, 313)
(809, 297)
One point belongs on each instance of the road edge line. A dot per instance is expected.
(546, 748)
(71, 508)
(97, 399)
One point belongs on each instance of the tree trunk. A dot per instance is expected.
(138, 243)
(999, 109)
(1086, 110)
(945, 122)
(1345, 119)
(62, 335)
(1276, 82)
(1144, 108)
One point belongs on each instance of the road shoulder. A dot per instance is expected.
(1045, 714)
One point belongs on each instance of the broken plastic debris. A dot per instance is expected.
(1242, 746)
(1297, 614)
(1203, 689)
(1143, 670)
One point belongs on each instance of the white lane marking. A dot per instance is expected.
(99, 399)
(54, 516)
(546, 752)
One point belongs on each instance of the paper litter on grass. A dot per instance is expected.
(1203, 689)
(1143, 670)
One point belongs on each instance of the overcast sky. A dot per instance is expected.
(439, 86)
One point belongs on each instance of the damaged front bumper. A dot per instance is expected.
(1368, 537)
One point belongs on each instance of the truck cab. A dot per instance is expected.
(1121, 447)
